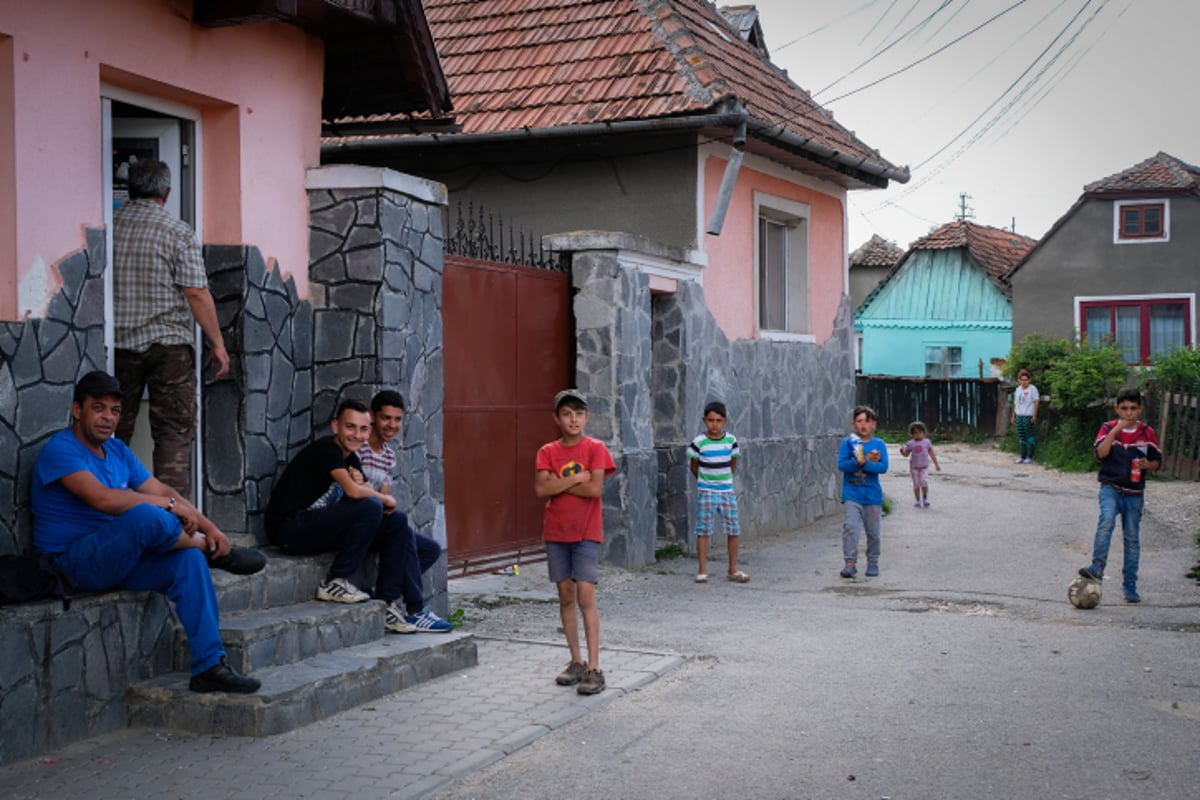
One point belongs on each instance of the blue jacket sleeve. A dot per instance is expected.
(846, 460)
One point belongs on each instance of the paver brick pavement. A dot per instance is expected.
(404, 746)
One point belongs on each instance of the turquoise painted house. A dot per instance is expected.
(945, 310)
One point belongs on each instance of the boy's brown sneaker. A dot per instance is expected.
(572, 675)
(592, 683)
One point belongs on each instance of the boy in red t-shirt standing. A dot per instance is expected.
(570, 474)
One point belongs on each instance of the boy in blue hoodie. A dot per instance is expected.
(862, 458)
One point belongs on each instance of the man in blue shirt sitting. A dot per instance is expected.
(110, 524)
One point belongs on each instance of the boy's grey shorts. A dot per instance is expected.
(579, 561)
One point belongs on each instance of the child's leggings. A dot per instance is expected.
(1025, 436)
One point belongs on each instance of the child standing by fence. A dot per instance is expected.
(1025, 408)
(920, 452)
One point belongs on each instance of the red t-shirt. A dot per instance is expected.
(570, 518)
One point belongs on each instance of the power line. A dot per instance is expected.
(878, 53)
(923, 59)
(861, 7)
(928, 176)
(1009, 88)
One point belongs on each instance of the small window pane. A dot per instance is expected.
(1151, 222)
(1131, 224)
(772, 300)
(1129, 333)
(1097, 323)
(1167, 328)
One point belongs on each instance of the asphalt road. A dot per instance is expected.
(960, 672)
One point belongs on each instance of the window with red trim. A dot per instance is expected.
(1142, 329)
(1143, 221)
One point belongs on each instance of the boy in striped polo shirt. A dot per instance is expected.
(713, 455)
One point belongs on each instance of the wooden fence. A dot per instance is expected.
(954, 406)
(1175, 416)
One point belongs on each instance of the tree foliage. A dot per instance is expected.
(1035, 353)
(1180, 368)
(1086, 375)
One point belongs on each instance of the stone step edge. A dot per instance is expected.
(295, 695)
(286, 634)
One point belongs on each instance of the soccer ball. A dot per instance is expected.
(1085, 592)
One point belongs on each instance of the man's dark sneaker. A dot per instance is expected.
(1131, 592)
(872, 571)
(240, 561)
(222, 678)
(849, 571)
(592, 683)
(572, 675)
(1093, 571)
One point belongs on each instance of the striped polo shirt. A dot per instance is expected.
(716, 461)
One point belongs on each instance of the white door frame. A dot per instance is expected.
(108, 94)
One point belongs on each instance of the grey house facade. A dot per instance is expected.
(1122, 264)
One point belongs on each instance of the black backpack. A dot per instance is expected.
(26, 578)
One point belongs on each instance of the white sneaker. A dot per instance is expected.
(394, 621)
(340, 590)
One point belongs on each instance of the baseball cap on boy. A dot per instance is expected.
(569, 394)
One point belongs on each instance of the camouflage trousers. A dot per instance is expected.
(169, 372)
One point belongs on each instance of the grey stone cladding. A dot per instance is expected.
(650, 362)
(789, 404)
(40, 360)
(373, 321)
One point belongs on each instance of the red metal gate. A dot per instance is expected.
(509, 346)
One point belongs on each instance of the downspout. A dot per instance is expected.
(732, 167)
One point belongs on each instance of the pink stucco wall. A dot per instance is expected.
(258, 88)
(729, 279)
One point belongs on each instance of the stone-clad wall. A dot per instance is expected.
(62, 675)
(650, 362)
(376, 282)
(612, 367)
(789, 404)
(40, 360)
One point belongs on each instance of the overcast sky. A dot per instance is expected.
(1123, 87)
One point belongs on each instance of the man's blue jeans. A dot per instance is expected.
(349, 529)
(134, 551)
(1128, 507)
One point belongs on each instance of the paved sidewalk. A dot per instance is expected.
(406, 745)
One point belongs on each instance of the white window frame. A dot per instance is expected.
(1120, 205)
(797, 217)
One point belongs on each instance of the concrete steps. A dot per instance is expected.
(298, 694)
(314, 659)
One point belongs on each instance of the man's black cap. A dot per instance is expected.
(97, 384)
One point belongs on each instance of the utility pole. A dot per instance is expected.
(965, 212)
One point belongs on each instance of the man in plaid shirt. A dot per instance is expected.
(160, 290)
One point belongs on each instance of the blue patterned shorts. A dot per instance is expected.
(720, 504)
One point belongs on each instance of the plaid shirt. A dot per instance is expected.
(155, 256)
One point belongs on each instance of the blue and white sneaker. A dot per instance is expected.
(428, 622)
(1093, 571)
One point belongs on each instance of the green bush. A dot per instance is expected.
(1084, 376)
(1077, 382)
(1180, 368)
(1035, 353)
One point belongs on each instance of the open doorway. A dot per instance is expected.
(141, 127)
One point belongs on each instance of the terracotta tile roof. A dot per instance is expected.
(516, 65)
(1161, 173)
(876, 252)
(994, 249)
